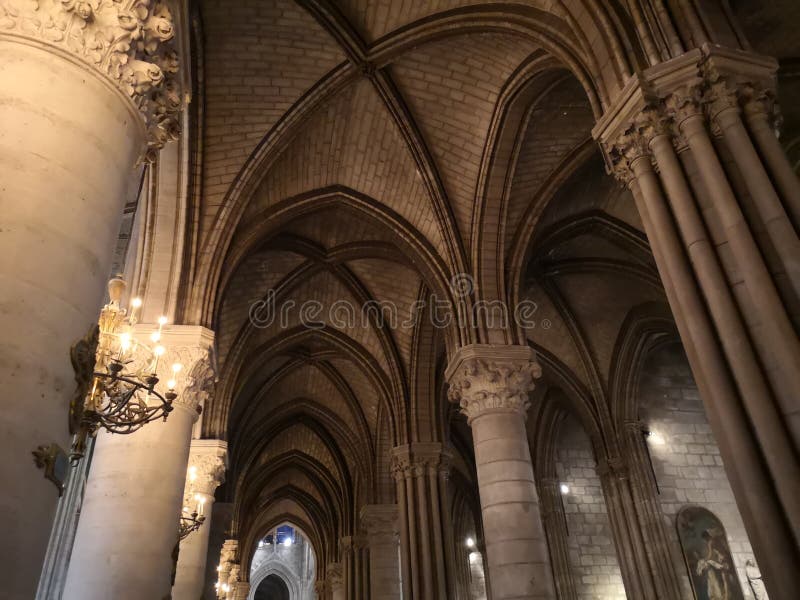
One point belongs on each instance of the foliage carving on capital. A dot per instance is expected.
(483, 385)
(126, 40)
(209, 471)
(334, 576)
(684, 102)
(201, 378)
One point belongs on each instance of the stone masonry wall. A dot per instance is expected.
(593, 558)
(688, 466)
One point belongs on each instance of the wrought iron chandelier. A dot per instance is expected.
(116, 375)
(192, 519)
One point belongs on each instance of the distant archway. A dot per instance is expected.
(272, 588)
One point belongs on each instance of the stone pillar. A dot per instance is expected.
(709, 239)
(75, 120)
(555, 527)
(492, 383)
(417, 466)
(334, 580)
(227, 556)
(380, 522)
(241, 589)
(135, 488)
(207, 460)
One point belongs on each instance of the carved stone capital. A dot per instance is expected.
(419, 459)
(333, 576)
(127, 41)
(486, 379)
(207, 465)
(192, 347)
(380, 520)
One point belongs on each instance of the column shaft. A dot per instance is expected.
(757, 502)
(134, 493)
(774, 328)
(755, 393)
(380, 521)
(515, 543)
(69, 143)
(778, 164)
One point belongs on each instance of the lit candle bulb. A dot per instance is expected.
(155, 336)
(158, 352)
(124, 344)
(201, 503)
(171, 385)
(136, 303)
(176, 368)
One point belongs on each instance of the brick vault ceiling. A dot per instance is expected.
(293, 116)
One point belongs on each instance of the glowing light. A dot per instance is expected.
(564, 488)
(287, 542)
(162, 320)
(473, 557)
(176, 368)
(470, 542)
(171, 384)
(656, 438)
(155, 336)
(192, 473)
(125, 341)
(159, 350)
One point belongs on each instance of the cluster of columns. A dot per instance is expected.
(420, 472)
(719, 202)
(380, 523)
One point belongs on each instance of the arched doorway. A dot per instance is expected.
(272, 588)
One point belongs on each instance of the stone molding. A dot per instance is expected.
(705, 82)
(380, 520)
(126, 41)
(209, 460)
(418, 459)
(487, 379)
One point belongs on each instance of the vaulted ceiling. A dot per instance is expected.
(371, 151)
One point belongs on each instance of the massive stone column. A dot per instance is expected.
(205, 473)
(416, 468)
(135, 488)
(76, 112)
(726, 251)
(491, 383)
(380, 522)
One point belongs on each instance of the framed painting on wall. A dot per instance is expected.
(708, 558)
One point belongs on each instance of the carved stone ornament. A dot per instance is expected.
(82, 354)
(487, 379)
(209, 470)
(126, 40)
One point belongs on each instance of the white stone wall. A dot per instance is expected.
(592, 554)
(688, 466)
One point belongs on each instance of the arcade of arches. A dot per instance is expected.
(473, 300)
